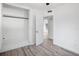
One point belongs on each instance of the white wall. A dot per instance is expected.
(66, 26)
(0, 26)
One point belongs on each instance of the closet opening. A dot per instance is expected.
(15, 27)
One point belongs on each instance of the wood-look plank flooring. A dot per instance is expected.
(45, 49)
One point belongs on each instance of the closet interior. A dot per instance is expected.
(15, 27)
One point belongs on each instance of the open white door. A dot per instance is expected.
(39, 30)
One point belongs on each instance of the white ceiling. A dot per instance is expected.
(42, 6)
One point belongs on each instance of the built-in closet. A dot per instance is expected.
(15, 27)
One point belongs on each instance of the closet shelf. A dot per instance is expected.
(15, 17)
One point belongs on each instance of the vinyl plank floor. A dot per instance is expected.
(27, 51)
(45, 49)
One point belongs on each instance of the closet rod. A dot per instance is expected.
(14, 17)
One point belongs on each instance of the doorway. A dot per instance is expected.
(48, 30)
(45, 29)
